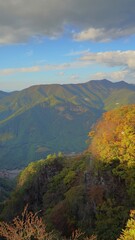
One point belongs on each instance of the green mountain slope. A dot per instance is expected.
(3, 94)
(51, 118)
(93, 191)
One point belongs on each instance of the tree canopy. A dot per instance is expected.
(113, 137)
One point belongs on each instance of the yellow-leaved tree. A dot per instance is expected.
(113, 137)
(129, 232)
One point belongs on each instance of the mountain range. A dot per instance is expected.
(45, 119)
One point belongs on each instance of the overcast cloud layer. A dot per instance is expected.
(97, 20)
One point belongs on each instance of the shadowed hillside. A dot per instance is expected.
(50, 118)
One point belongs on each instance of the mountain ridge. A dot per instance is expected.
(43, 119)
(104, 81)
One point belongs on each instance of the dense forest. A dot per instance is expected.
(44, 119)
(92, 192)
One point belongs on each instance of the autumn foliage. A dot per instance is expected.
(28, 227)
(93, 192)
(113, 137)
(129, 232)
(31, 227)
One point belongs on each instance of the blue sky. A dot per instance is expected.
(64, 41)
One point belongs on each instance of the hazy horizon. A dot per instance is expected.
(42, 84)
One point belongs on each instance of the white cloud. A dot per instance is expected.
(112, 58)
(124, 75)
(74, 77)
(47, 67)
(102, 34)
(96, 20)
(91, 34)
(51, 67)
(124, 61)
(10, 71)
(63, 66)
(76, 53)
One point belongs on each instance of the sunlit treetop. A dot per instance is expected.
(113, 137)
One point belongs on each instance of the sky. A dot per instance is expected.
(66, 41)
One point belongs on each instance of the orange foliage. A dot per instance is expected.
(113, 137)
(28, 227)
(31, 227)
(76, 235)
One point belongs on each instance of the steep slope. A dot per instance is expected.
(51, 118)
(41, 130)
(71, 194)
(93, 191)
(113, 137)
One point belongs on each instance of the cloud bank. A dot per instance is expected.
(112, 58)
(124, 75)
(97, 20)
(102, 34)
(124, 60)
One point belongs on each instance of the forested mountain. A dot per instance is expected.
(93, 192)
(50, 118)
(3, 94)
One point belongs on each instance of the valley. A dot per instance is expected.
(46, 119)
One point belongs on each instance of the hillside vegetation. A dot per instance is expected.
(93, 192)
(113, 137)
(44, 119)
(6, 186)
